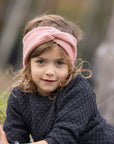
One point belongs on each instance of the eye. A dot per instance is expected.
(60, 62)
(40, 61)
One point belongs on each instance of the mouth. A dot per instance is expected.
(49, 81)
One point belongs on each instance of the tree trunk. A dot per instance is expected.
(14, 20)
(105, 74)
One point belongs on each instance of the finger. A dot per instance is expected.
(0, 130)
(2, 133)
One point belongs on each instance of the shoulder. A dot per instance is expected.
(80, 82)
(18, 101)
(16, 95)
(78, 85)
(77, 91)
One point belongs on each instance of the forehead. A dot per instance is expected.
(49, 47)
(54, 52)
(46, 47)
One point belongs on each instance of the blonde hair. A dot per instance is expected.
(25, 82)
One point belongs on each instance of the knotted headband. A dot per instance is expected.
(41, 35)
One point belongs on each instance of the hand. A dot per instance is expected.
(40, 142)
(3, 139)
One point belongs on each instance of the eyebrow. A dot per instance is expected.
(55, 59)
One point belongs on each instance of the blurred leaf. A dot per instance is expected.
(3, 106)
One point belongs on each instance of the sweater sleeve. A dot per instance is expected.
(14, 125)
(77, 116)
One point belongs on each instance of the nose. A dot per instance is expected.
(50, 71)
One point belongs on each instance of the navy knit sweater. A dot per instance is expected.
(72, 118)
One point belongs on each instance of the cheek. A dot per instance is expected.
(63, 74)
(34, 74)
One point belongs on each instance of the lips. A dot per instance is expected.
(49, 81)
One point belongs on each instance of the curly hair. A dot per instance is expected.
(25, 82)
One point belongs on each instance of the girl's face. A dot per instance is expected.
(48, 70)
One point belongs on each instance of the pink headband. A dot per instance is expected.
(41, 35)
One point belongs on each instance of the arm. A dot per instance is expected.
(14, 125)
(3, 139)
(75, 108)
(78, 119)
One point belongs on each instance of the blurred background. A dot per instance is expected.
(94, 17)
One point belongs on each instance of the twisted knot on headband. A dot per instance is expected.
(41, 35)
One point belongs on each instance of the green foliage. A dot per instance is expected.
(3, 105)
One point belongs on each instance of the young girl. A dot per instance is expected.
(52, 102)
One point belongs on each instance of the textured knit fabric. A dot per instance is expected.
(40, 35)
(72, 118)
